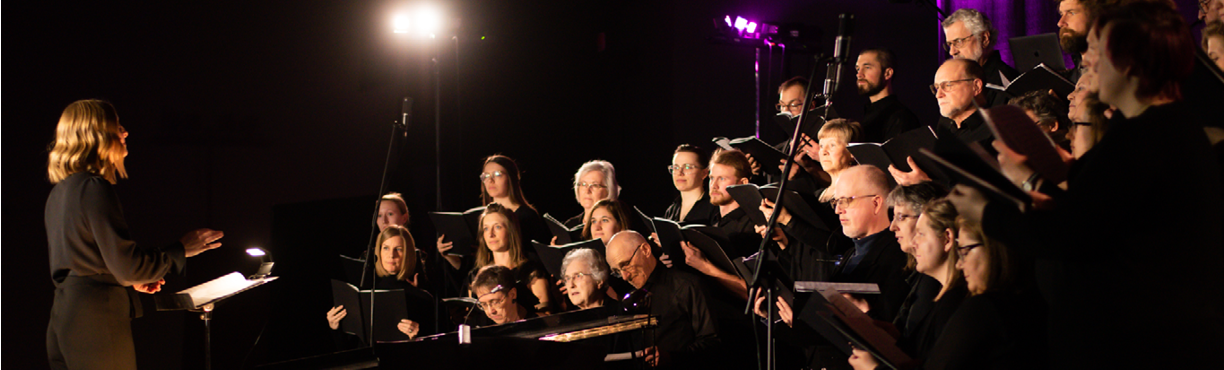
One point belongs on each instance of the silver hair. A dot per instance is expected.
(599, 266)
(975, 22)
(609, 176)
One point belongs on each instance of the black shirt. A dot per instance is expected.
(993, 330)
(1114, 249)
(739, 229)
(702, 213)
(972, 130)
(995, 70)
(686, 327)
(532, 227)
(884, 265)
(87, 235)
(885, 119)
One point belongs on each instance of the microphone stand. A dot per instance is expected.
(370, 250)
(760, 277)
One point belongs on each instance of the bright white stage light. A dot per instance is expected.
(424, 21)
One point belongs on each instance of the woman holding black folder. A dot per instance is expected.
(500, 183)
(395, 265)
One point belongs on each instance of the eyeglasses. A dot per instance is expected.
(568, 278)
(793, 105)
(844, 202)
(486, 176)
(616, 271)
(682, 168)
(944, 86)
(963, 250)
(957, 43)
(484, 306)
(586, 186)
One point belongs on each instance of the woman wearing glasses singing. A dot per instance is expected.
(594, 181)
(689, 174)
(934, 244)
(501, 183)
(585, 274)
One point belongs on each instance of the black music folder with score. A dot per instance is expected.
(460, 228)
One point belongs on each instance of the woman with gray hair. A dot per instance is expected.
(594, 181)
(584, 272)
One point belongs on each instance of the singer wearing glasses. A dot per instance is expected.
(497, 296)
(595, 181)
(689, 174)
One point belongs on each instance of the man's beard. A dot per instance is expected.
(870, 89)
(1071, 42)
(721, 199)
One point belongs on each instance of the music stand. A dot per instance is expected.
(204, 297)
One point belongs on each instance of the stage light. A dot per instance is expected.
(400, 23)
(728, 19)
(740, 23)
(256, 252)
(752, 26)
(424, 21)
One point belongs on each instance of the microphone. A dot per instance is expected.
(845, 30)
(406, 114)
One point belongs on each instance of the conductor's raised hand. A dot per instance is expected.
(201, 240)
(334, 316)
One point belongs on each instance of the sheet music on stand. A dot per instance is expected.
(212, 291)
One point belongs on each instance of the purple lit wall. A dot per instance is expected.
(1030, 17)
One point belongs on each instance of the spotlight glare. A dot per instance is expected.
(728, 20)
(752, 26)
(255, 252)
(401, 23)
(740, 23)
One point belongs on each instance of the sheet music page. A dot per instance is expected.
(218, 288)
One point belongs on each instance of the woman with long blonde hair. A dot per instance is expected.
(93, 259)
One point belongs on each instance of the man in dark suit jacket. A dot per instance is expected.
(862, 209)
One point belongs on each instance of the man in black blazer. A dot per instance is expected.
(862, 209)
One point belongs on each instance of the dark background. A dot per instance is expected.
(271, 121)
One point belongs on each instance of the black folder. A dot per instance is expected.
(894, 151)
(764, 154)
(1040, 78)
(782, 282)
(749, 198)
(551, 255)
(965, 170)
(646, 221)
(565, 235)
(461, 228)
(849, 324)
(708, 239)
(1010, 124)
(390, 307)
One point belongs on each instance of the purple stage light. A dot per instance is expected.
(740, 23)
(752, 26)
(728, 19)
